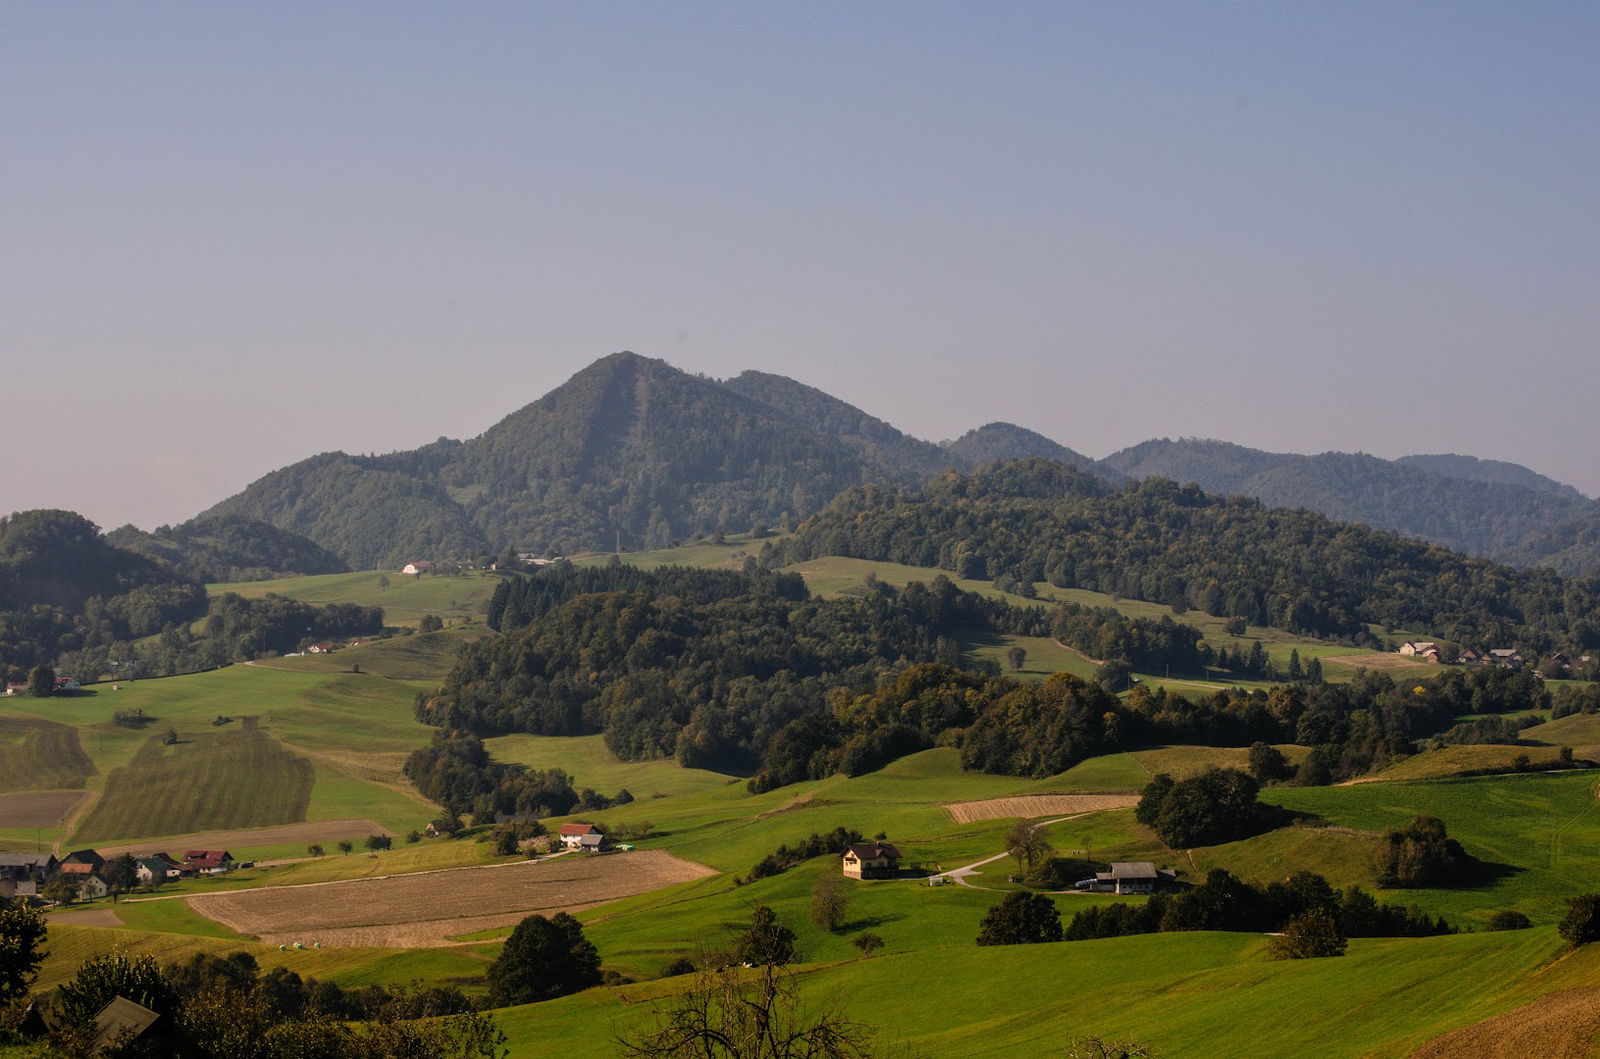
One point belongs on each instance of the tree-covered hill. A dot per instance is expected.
(1480, 507)
(1229, 556)
(1007, 441)
(359, 509)
(229, 548)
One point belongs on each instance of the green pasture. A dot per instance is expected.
(736, 547)
(1539, 834)
(41, 755)
(407, 598)
(1186, 995)
(590, 763)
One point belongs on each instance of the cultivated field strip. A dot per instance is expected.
(325, 832)
(429, 908)
(40, 755)
(37, 808)
(1560, 1025)
(209, 781)
(1036, 805)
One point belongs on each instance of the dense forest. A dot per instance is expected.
(1033, 520)
(675, 662)
(744, 671)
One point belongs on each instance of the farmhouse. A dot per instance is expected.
(1504, 657)
(157, 868)
(1426, 650)
(21, 874)
(325, 647)
(417, 568)
(15, 689)
(581, 836)
(869, 860)
(208, 862)
(86, 879)
(1129, 877)
(85, 856)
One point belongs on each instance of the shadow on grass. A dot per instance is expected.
(867, 923)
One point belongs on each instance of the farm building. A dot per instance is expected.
(1505, 657)
(85, 856)
(581, 836)
(86, 879)
(1130, 877)
(325, 647)
(1426, 650)
(158, 868)
(869, 860)
(21, 874)
(417, 569)
(208, 862)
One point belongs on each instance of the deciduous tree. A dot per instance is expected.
(543, 958)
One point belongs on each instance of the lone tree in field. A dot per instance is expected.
(828, 902)
(1581, 924)
(543, 958)
(1027, 843)
(1306, 936)
(42, 682)
(345, 846)
(314, 850)
(1017, 655)
(1020, 919)
(767, 943)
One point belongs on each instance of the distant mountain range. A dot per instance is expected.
(631, 450)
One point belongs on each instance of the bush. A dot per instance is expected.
(1420, 855)
(1508, 919)
(682, 965)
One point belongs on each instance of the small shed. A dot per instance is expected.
(120, 1022)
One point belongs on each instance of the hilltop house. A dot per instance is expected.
(208, 862)
(581, 836)
(869, 860)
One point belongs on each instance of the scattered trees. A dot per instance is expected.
(1021, 918)
(543, 958)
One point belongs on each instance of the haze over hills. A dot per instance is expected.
(633, 451)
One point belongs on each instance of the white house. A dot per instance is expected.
(581, 836)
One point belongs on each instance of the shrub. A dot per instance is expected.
(1020, 919)
(1581, 924)
(1307, 936)
(1508, 919)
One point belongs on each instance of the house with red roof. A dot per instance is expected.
(208, 862)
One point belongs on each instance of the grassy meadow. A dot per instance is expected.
(405, 600)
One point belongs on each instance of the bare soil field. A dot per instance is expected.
(37, 809)
(427, 909)
(1034, 805)
(1559, 1026)
(89, 917)
(1378, 660)
(323, 831)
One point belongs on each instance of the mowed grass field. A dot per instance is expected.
(41, 755)
(591, 763)
(406, 599)
(232, 777)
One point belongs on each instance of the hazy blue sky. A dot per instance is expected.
(235, 235)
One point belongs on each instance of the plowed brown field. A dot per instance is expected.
(1034, 805)
(37, 808)
(323, 831)
(1559, 1026)
(429, 908)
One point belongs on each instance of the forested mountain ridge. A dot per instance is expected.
(1229, 556)
(228, 548)
(631, 450)
(1481, 507)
